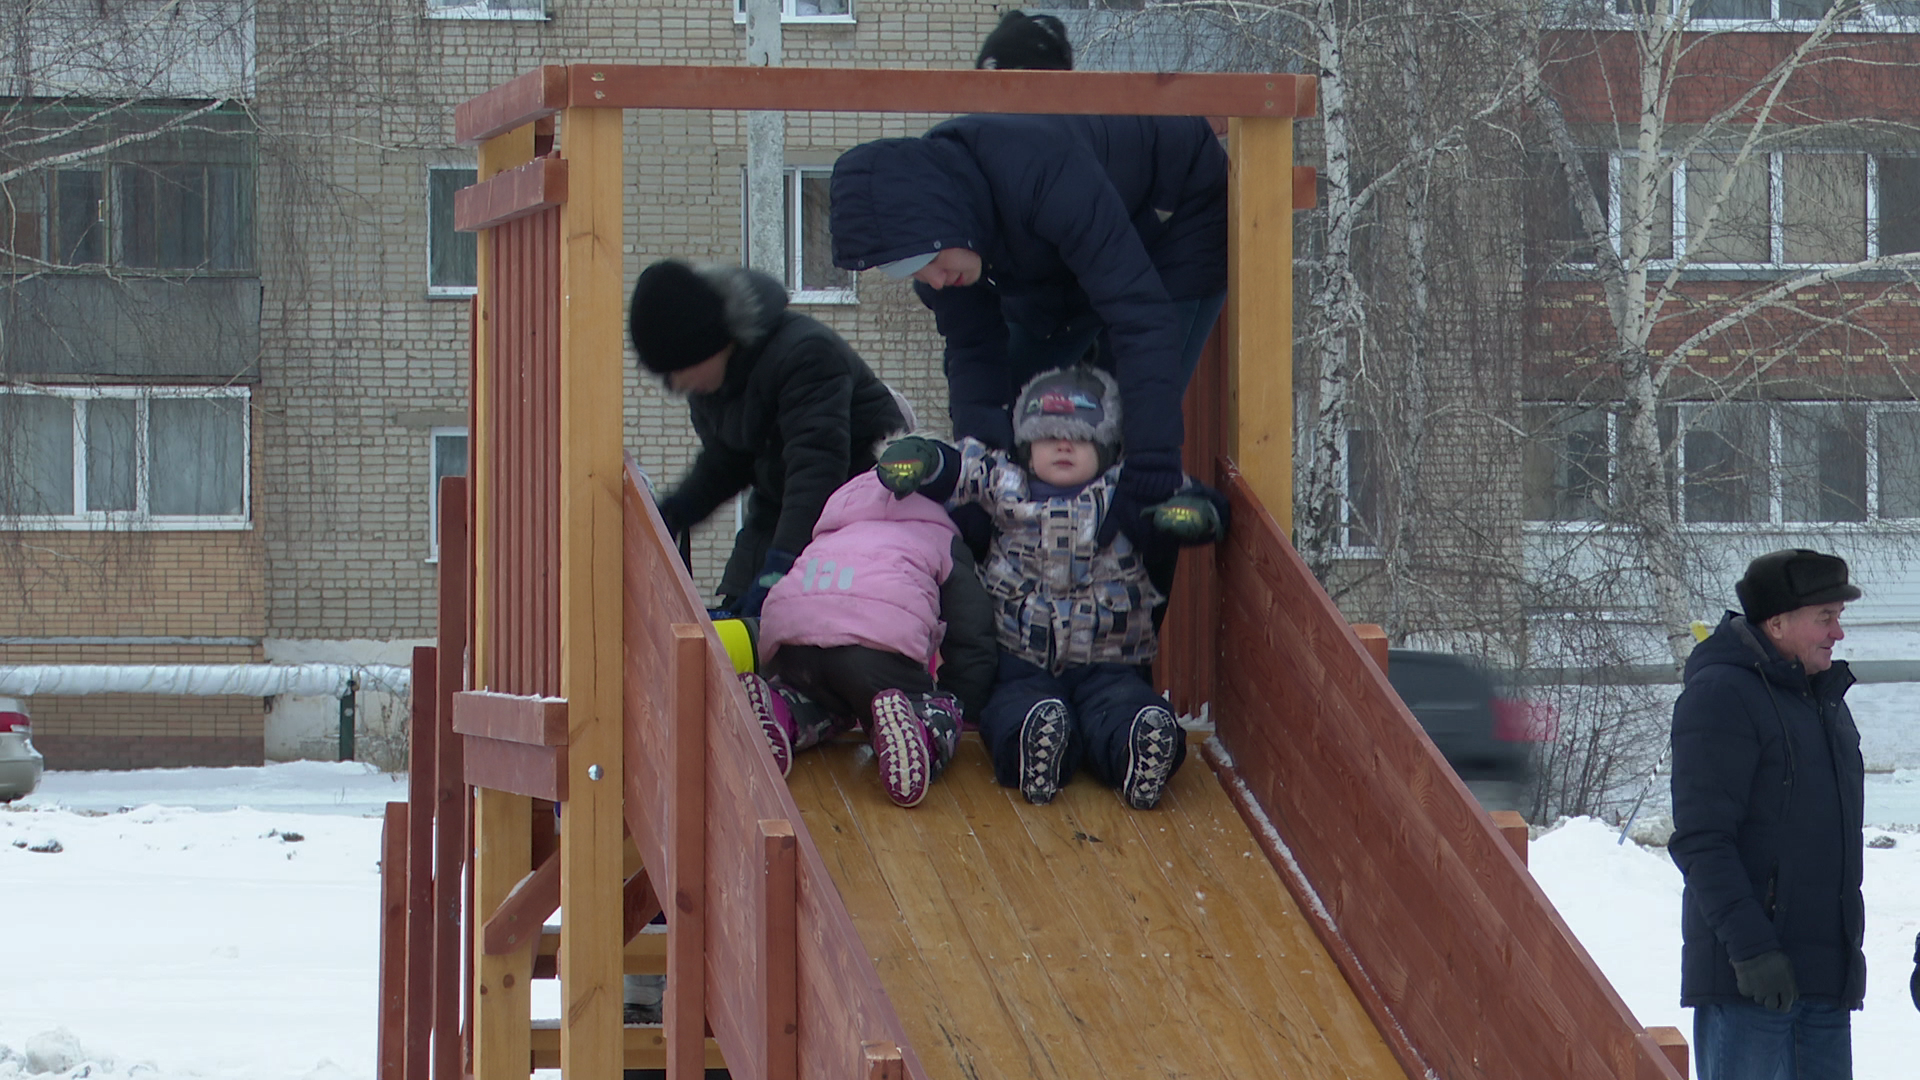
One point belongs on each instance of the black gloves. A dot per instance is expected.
(1143, 485)
(776, 567)
(1767, 979)
(1188, 517)
(907, 464)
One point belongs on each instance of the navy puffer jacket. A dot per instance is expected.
(1767, 789)
(1111, 215)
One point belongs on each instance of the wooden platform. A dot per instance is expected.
(1081, 939)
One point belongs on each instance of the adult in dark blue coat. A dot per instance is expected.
(1767, 790)
(1033, 237)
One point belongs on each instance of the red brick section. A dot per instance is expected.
(1876, 345)
(1853, 76)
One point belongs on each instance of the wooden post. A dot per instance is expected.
(421, 748)
(451, 801)
(391, 1053)
(1374, 640)
(1673, 1045)
(1514, 828)
(779, 948)
(685, 1014)
(1260, 308)
(884, 1061)
(502, 827)
(591, 328)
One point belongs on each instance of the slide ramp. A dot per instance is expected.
(1081, 938)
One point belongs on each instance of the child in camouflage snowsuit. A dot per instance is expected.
(1074, 618)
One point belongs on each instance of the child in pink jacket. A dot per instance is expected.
(850, 635)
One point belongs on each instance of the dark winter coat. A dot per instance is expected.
(1767, 790)
(1111, 215)
(798, 415)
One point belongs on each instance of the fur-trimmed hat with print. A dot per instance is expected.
(1080, 403)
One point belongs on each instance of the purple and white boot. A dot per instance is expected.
(901, 747)
(776, 718)
(942, 715)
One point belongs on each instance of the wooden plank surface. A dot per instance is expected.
(536, 721)
(1081, 938)
(390, 1051)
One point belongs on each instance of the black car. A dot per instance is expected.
(1488, 738)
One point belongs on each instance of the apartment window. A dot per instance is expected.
(1786, 208)
(1360, 515)
(1736, 462)
(116, 457)
(487, 9)
(1568, 462)
(804, 11)
(810, 275)
(155, 189)
(452, 259)
(449, 454)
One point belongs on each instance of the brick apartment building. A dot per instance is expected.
(1796, 425)
(235, 343)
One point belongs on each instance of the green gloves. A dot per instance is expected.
(907, 464)
(1767, 979)
(1189, 518)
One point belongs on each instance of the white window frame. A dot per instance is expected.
(1871, 20)
(434, 436)
(138, 519)
(443, 291)
(1777, 518)
(796, 230)
(485, 11)
(788, 16)
(1776, 207)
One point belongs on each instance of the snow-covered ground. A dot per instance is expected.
(173, 937)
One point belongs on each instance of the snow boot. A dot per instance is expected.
(902, 748)
(1151, 745)
(1043, 750)
(941, 714)
(776, 718)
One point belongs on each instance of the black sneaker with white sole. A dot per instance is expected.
(1151, 745)
(1043, 750)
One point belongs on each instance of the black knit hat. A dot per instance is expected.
(1037, 42)
(677, 319)
(1787, 580)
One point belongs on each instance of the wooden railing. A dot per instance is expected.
(1450, 944)
(753, 916)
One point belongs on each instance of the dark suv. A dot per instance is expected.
(1487, 738)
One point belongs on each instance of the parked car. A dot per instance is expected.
(1487, 737)
(20, 763)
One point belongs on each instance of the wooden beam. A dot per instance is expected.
(685, 1002)
(884, 1061)
(1260, 201)
(390, 1054)
(779, 948)
(1673, 1046)
(535, 721)
(452, 803)
(534, 96)
(646, 954)
(518, 918)
(420, 807)
(1372, 638)
(538, 772)
(795, 89)
(642, 1047)
(538, 185)
(1514, 828)
(640, 905)
(591, 393)
(502, 978)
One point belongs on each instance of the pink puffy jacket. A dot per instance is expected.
(871, 576)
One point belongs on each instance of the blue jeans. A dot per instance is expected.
(1811, 1041)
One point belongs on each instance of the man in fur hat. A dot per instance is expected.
(1768, 785)
(784, 408)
